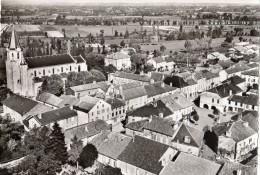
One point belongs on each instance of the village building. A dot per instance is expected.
(119, 60)
(240, 103)
(251, 77)
(123, 77)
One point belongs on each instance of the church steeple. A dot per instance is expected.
(14, 42)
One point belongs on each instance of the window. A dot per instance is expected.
(115, 164)
(66, 120)
(61, 69)
(17, 55)
(236, 103)
(70, 68)
(103, 110)
(12, 55)
(98, 112)
(119, 111)
(107, 109)
(250, 140)
(187, 139)
(241, 104)
(218, 101)
(97, 106)
(253, 107)
(43, 71)
(53, 71)
(112, 114)
(103, 105)
(247, 106)
(92, 113)
(212, 100)
(229, 102)
(35, 73)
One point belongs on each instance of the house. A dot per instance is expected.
(157, 90)
(119, 60)
(251, 77)
(134, 94)
(57, 102)
(87, 132)
(187, 86)
(180, 106)
(91, 109)
(156, 76)
(217, 98)
(187, 164)
(234, 139)
(118, 108)
(225, 63)
(248, 116)
(249, 102)
(238, 81)
(144, 156)
(21, 72)
(110, 149)
(158, 63)
(65, 117)
(230, 168)
(157, 108)
(217, 55)
(89, 89)
(206, 80)
(188, 139)
(18, 108)
(170, 64)
(123, 77)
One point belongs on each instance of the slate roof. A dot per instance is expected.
(254, 73)
(196, 136)
(102, 85)
(87, 130)
(55, 115)
(156, 76)
(114, 145)
(20, 104)
(251, 99)
(117, 56)
(145, 154)
(136, 126)
(224, 89)
(156, 89)
(161, 126)
(230, 167)
(49, 60)
(49, 98)
(235, 80)
(253, 65)
(226, 63)
(115, 102)
(131, 76)
(176, 81)
(150, 109)
(239, 67)
(79, 59)
(188, 164)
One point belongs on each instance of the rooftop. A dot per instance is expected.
(137, 77)
(235, 80)
(117, 56)
(225, 89)
(251, 99)
(158, 88)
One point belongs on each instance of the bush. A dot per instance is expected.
(88, 156)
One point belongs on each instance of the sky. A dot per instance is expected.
(127, 1)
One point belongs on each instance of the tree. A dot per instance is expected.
(162, 48)
(196, 118)
(107, 170)
(48, 164)
(102, 33)
(76, 147)
(97, 75)
(56, 145)
(126, 34)
(88, 156)
(188, 45)
(109, 69)
(116, 33)
(98, 49)
(122, 43)
(181, 28)
(229, 37)
(102, 41)
(53, 84)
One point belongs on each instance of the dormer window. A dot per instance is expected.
(186, 139)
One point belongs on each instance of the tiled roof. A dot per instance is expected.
(131, 76)
(156, 76)
(230, 167)
(239, 67)
(253, 65)
(117, 56)
(169, 59)
(156, 89)
(84, 87)
(134, 93)
(136, 126)
(55, 115)
(250, 99)
(224, 89)
(145, 154)
(176, 81)
(20, 104)
(161, 126)
(252, 73)
(49, 98)
(158, 59)
(87, 130)
(114, 145)
(226, 63)
(196, 136)
(126, 86)
(115, 102)
(150, 109)
(98, 139)
(49, 60)
(68, 100)
(235, 80)
(176, 101)
(188, 164)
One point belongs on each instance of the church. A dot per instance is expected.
(23, 73)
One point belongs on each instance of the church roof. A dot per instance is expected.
(14, 43)
(49, 60)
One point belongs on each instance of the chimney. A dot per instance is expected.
(228, 133)
(162, 84)
(175, 126)
(151, 81)
(161, 115)
(155, 104)
(7, 95)
(239, 172)
(151, 118)
(86, 128)
(230, 92)
(167, 104)
(40, 116)
(149, 74)
(171, 84)
(245, 124)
